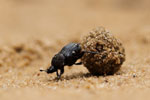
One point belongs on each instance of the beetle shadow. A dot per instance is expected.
(82, 75)
(77, 76)
(74, 76)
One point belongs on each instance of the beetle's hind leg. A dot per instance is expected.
(80, 63)
(92, 52)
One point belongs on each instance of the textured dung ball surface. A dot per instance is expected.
(111, 53)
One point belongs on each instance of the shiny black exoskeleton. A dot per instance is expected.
(68, 55)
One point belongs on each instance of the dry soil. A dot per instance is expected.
(32, 31)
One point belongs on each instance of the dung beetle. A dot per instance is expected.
(68, 56)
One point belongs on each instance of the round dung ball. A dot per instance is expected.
(109, 53)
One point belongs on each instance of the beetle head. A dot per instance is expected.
(56, 63)
(51, 69)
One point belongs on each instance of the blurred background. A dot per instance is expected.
(61, 18)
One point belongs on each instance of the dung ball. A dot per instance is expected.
(110, 52)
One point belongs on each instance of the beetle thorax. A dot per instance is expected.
(58, 60)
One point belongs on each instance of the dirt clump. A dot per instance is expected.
(111, 53)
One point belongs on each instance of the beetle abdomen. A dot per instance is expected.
(71, 53)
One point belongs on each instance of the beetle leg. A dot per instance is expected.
(61, 72)
(93, 52)
(80, 63)
(57, 74)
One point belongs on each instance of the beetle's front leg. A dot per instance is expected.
(57, 73)
(61, 72)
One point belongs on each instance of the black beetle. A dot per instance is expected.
(68, 55)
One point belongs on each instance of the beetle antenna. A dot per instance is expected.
(41, 70)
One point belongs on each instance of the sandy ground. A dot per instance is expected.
(32, 31)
